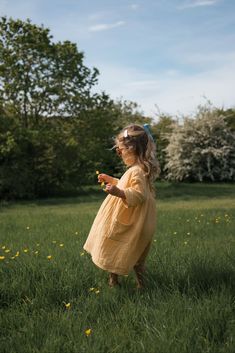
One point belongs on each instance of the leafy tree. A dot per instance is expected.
(202, 148)
(161, 130)
(39, 77)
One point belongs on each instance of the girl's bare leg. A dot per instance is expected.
(113, 279)
(139, 271)
(139, 268)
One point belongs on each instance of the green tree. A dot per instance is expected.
(39, 77)
(161, 131)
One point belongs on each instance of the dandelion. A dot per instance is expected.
(7, 250)
(88, 332)
(17, 254)
(2, 257)
(13, 257)
(67, 305)
(49, 257)
(91, 289)
(97, 172)
(3, 247)
(97, 291)
(26, 250)
(61, 245)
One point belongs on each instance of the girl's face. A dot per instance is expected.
(128, 156)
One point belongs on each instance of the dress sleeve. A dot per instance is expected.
(136, 192)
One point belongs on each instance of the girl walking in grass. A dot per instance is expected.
(121, 235)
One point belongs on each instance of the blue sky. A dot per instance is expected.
(165, 55)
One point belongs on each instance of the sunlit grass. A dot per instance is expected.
(53, 299)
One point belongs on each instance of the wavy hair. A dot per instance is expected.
(135, 138)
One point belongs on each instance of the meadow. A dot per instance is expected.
(53, 299)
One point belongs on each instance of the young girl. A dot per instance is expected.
(120, 237)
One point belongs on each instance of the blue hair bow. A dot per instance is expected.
(147, 130)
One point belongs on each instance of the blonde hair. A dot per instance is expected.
(136, 139)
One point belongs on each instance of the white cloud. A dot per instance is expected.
(197, 3)
(173, 92)
(105, 26)
(134, 7)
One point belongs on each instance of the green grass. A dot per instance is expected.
(189, 301)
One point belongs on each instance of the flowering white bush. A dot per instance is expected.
(201, 149)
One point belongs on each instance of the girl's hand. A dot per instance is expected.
(115, 191)
(104, 178)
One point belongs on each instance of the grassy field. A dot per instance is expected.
(53, 299)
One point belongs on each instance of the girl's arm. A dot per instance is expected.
(115, 191)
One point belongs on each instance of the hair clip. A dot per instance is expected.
(125, 134)
(147, 130)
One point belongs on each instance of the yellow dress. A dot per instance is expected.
(123, 228)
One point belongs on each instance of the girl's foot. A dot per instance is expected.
(113, 280)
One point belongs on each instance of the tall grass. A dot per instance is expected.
(53, 299)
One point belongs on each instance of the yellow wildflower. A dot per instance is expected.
(54, 241)
(91, 289)
(88, 332)
(17, 254)
(97, 172)
(35, 252)
(82, 253)
(27, 228)
(185, 243)
(13, 257)
(49, 257)
(67, 305)
(3, 247)
(2, 257)
(26, 250)
(7, 250)
(97, 291)
(61, 245)
(76, 233)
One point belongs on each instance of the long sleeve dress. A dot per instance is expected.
(123, 228)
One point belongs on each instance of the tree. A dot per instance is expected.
(202, 148)
(39, 77)
(161, 130)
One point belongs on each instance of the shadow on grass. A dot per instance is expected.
(88, 194)
(189, 191)
(197, 281)
(165, 191)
